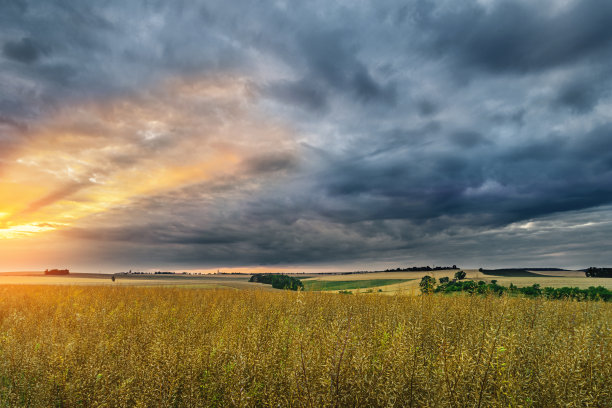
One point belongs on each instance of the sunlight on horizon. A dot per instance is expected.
(88, 159)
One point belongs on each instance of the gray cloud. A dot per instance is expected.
(425, 132)
(23, 51)
(270, 163)
(582, 94)
(519, 36)
(299, 93)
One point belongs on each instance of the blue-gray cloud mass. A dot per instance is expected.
(477, 133)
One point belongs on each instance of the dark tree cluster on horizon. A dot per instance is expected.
(57, 271)
(598, 272)
(278, 281)
(422, 268)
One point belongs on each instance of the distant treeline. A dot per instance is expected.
(151, 273)
(278, 281)
(159, 273)
(422, 268)
(592, 293)
(57, 271)
(524, 269)
(598, 272)
(233, 273)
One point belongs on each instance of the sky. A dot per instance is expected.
(318, 135)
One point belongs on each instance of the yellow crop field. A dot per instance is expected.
(159, 347)
(202, 282)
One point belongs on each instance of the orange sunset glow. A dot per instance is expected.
(86, 159)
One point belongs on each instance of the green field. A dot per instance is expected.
(327, 285)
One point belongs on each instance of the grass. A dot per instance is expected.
(204, 281)
(156, 346)
(327, 285)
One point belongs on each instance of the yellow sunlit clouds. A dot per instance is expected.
(20, 231)
(89, 158)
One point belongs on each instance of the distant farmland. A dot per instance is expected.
(407, 282)
(518, 273)
(390, 283)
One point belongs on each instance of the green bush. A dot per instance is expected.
(459, 275)
(278, 281)
(427, 284)
(592, 293)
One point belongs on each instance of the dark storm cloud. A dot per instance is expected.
(467, 139)
(326, 62)
(23, 51)
(427, 107)
(493, 185)
(578, 97)
(519, 36)
(333, 62)
(299, 93)
(270, 163)
(583, 93)
(94, 51)
(430, 128)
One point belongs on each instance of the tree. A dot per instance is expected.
(533, 290)
(598, 272)
(278, 281)
(57, 272)
(459, 275)
(427, 284)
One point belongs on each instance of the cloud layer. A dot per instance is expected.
(202, 134)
